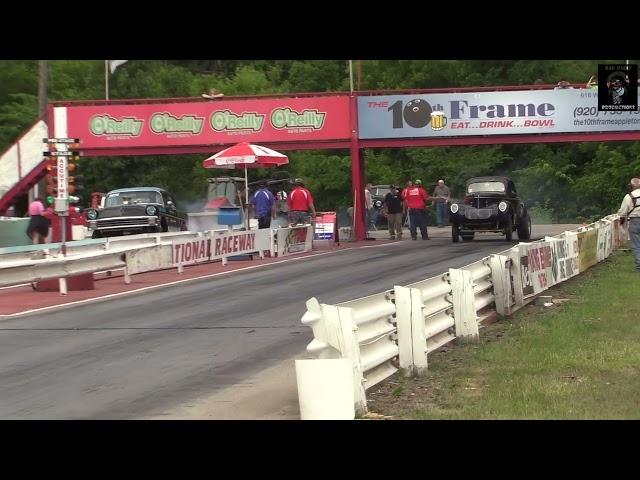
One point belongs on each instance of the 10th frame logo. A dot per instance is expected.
(617, 87)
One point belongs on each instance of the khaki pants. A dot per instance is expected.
(395, 224)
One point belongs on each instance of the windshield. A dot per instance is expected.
(131, 198)
(485, 187)
(223, 189)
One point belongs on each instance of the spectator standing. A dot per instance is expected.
(630, 211)
(405, 218)
(415, 199)
(265, 205)
(393, 210)
(368, 205)
(300, 202)
(442, 195)
(38, 227)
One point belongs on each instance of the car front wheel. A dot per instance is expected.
(524, 229)
(508, 229)
(455, 232)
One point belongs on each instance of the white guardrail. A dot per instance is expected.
(145, 252)
(399, 328)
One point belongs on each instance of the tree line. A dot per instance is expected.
(561, 182)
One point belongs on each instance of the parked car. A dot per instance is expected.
(490, 204)
(136, 210)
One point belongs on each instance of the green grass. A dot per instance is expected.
(577, 360)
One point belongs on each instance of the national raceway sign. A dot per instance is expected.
(488, 113)
(219, 245)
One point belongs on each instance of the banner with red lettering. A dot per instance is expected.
(536, 267)
(218, 245)
(223, 121)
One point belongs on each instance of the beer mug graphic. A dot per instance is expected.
(438, 120)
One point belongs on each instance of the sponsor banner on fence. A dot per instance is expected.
(619, 234)
(218, 245)
(564, 253)
(587, 249)
(294, 240)
(605, 239)
(488, 113)
(213, 122)
(536, 267)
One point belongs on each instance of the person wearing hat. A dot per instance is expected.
(300, 201)
(393, 209)
(415, 199)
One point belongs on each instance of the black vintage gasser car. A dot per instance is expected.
(490, 204)
(136, 210)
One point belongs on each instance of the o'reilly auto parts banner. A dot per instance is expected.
(210, 122)
(488, 113)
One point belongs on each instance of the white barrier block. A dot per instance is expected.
(325, 389)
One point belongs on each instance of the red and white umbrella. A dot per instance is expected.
(246, 155)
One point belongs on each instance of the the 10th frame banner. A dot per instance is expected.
(489, 113)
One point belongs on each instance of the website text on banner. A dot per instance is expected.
(489, 113)
(207, 123)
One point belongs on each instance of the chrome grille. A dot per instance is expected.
(123, 222)
(478, 213)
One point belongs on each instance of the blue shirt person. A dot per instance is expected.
(265, 205)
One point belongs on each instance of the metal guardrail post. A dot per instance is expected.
(516, 276)
(406, 332)
(501, 279)
(412, 333)
(464, 310)
(349, 348)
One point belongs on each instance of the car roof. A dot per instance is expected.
(494, 178)
(137, 189)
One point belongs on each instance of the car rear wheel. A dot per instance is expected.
(524, 229)
(508, 229)
(455, 232)
(468, 237)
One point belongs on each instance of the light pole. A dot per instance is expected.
(43, 78)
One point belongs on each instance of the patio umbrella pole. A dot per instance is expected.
(246, 195)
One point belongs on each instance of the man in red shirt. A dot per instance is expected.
(415, 199)
(300, 202)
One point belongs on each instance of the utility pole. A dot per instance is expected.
(43, 68)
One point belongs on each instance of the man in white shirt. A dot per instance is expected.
(630, 211)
